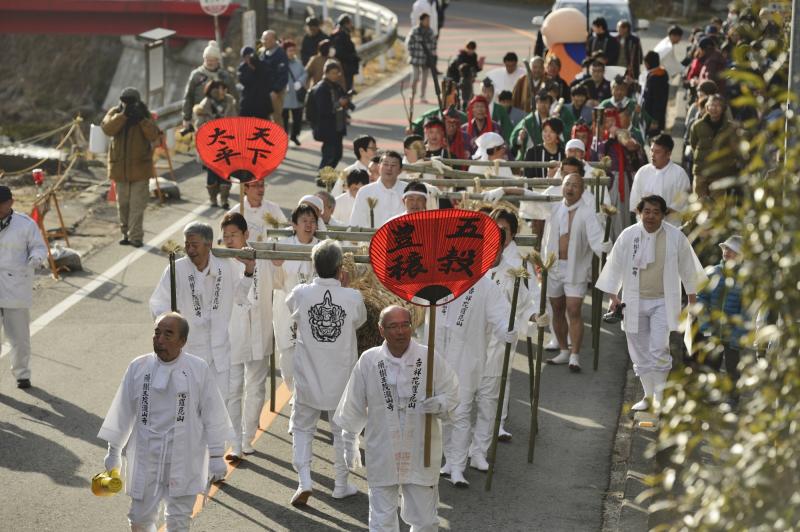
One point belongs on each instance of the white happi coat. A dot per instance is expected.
(527, 304)
(326, 316)
(170, 414)
(295, 272)
(344, 207)
(256, 225)
(670, 182)
(680, 265)
(462, 328)
(250, 327)
(390, 203)
(585, 236)
(21, 251)
(395, 427)
(205, 299)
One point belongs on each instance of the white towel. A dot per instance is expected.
(647, 253)
(562, 216)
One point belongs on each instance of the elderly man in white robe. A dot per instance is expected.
(386, 394)
(463, 327)
(170, 419)
(662, 178)
(386, 195)
(294, 272)
(206, 289)
(22, 250)
(649, 262)
(489, 387)
(572, 234)
(251, 341)
(259, 212)
(326, 316)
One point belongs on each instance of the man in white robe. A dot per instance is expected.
(364, 148)
(22, 250)
(326, 316)
(354, 180)
(206, 289)
(649, 262)
(663, 178)
(462, 337)
(386, 394)
(489, 386)
(251, 337)
(171, 421)
(258, 210)
(387, 191)
(572, 234)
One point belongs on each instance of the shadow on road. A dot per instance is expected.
(24, 451)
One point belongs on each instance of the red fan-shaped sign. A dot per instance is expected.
(432, 257)
(243, 147)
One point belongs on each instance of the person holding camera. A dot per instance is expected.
(329, 120)
(254, 78)
(649, 262)
(130, 161)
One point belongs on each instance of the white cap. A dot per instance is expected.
(314, 201)
(487, 141)
(575, 144)
(734, 243)
(212, 50)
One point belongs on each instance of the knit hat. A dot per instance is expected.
(130, 94)
(212, 50)
(247, 50)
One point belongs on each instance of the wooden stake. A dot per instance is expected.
(538, 376)
(426, 456)
(173, 296)
(272, 376)
(503, 382)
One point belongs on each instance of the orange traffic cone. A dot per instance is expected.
(111, 197)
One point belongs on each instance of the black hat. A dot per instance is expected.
(129, 95)
(5, 193)
(487, 82)
(312, 21)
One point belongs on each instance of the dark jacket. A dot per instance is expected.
(195, 87)
(330, 124)
(130, 154)
(463, 57)
(308, 48)
(345, 51)
(277, 63)
(655, 97)
(713, 152)
(255, 89)
(606, 44)
(633, 53)
(712, 299)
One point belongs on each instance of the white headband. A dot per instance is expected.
(415, 193)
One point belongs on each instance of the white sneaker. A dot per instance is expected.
(457, 478)
(575, 363)
(560, 359)
(552, 345)
(503, 435)
(300, 497)
(642, 405)
(478, 461)
(445, 470)
(247, 448)
(342, 492)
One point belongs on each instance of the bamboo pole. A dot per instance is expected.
(605, 164)
(173, 294)
(426, 455)
(272, 387)
(277, 246)
(366, 236)
(479, 197)
(225, 253)
(534, 430)
(482, 180)
(503, 381)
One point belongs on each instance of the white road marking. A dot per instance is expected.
(47, 318)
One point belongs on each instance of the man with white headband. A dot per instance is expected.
(649, 262)
(576, 148)
(415, 197)
(572, 234)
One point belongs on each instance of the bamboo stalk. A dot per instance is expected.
(534, 430)
(173, 297)
(272, 386)
(277, 246)
(426, 451)
(603, 165)
(503, 382)
(534, 182)
(478, 197)
(366, 236)
(225, 253)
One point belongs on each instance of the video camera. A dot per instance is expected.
(615, 316)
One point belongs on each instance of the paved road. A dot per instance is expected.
(88, 326)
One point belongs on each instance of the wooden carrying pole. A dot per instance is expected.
(603, 165)
(466, 196)
(173, 295)
(272, 376)
(426, 455)
(503, 382)
(225, 253)
(534, 430)
(532, 182)
(366, 236)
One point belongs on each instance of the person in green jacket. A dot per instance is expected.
(529, 131)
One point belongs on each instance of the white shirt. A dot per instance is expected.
(341, 184)
(670, 182)
(21, 251)
(256, 225)
(206, 300)
(250, 327)
(390, 203)
(502, 80)
(666, 52)
(295, 272)
(344, 206)
(326, 316)
(181, 420)
(394, 452)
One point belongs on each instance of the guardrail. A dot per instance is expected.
(381, 19)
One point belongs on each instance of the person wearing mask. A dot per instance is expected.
(310, 43)
(274, 57)
(295, 92)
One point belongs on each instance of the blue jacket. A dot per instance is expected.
(731, 306)
(278, 67)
